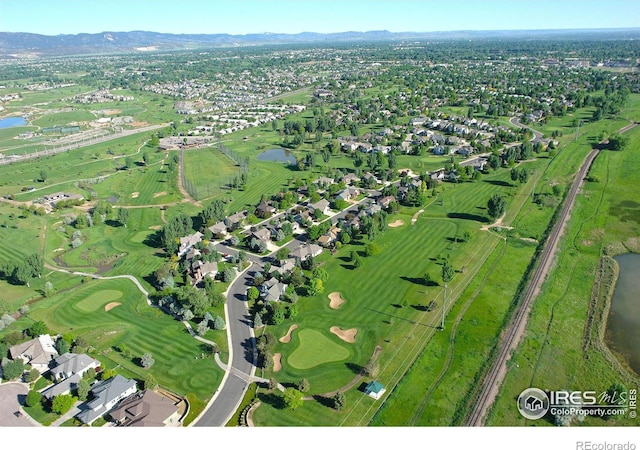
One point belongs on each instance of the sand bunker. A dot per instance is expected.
(414, 219)
(135, 194)
(110, 306)
(155, 227)
(336, 300)
(346, 335)
(159, 194)
(287, 337)
(277, 364)
(397, 223)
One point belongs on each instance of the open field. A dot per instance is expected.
(551, 355)
(315, 348)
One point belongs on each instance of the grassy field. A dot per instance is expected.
(551, 355)
(63, 118)
(208, 171)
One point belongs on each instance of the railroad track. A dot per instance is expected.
(496, 373)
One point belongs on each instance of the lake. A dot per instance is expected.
(622, 334)
(9, 122)
(279, 155)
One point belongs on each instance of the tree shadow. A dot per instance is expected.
(498, 183)
(250, 352)
(324, 401)
(272, 399)
(467, 216)
(419, 281)
(153, 240)
(355, 368)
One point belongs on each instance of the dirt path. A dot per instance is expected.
(497, 223)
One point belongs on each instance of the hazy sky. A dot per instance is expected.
(53, 17)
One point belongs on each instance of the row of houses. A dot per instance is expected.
(117, 396)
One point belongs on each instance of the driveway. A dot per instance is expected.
(12, 395)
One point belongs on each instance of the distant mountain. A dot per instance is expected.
(16, 45)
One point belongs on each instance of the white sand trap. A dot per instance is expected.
(110, 306)
(336, 300)
(277, 364)
(159, 194)
(135, 194)
(397, 223)
(346, 335)
(287, 337)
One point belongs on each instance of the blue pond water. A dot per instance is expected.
(12, 122)
(623, 324)
(279, 155)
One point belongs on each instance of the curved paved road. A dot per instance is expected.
(537, 136)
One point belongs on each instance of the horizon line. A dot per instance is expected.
(340, 32)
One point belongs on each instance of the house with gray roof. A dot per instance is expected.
(306, 251)
(187, 242)
(70, 364)
(106, 395)
(272, 289)
(63, 387)
(146, 409)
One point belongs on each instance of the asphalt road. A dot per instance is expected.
(537, 136)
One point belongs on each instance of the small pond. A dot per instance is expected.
(9, 122)
(623, 324)
(279, 155)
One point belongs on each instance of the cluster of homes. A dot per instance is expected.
(101, 96)
(118, 396)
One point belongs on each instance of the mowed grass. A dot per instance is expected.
(63, 118)
(315, 348)
(98, 300)
(141, 328)
(208, 171)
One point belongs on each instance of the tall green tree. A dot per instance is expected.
(496, 206)
(447, 276)
(292, 398)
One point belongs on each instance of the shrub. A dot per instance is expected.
(33, 398)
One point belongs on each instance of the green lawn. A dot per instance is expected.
(315, 348)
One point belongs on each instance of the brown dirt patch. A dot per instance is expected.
(159, 194)
(110, 306)
(287, 337)
(397, 223)
(277, 362)
(135, 194)
(336, 300)
(346, 335)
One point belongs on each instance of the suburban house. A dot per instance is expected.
(146, 409)
(348, 193)
(187, 242)
(306, 251)
(106, 395)
(70, 364)
(272, 289)
(264, 209)
(200, 270)
(350, 178)
(386, 201)
(375, 390)
(192, 253)
(219, 229)
(235, 221)
(285, 266)
(38, 352)
(329, 237)
(322, 205)
(324, 182)
(63, 387)
(262, 234)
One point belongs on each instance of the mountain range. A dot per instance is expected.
(18, 45)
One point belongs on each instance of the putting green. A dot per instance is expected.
(98, 300)
(314, 349)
